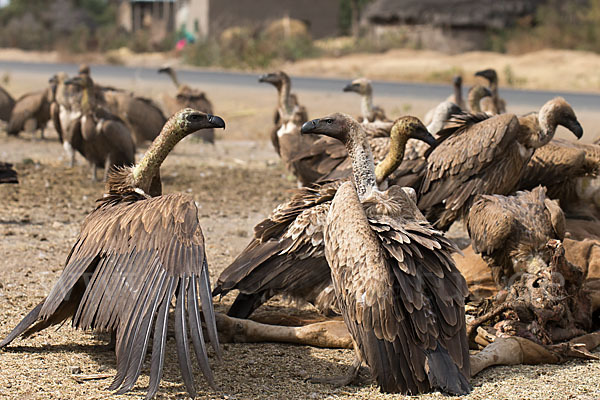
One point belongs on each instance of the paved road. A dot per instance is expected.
(421, 91)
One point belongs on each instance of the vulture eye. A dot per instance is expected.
(195, 117)
(329, 121)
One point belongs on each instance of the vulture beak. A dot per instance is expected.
(161, 70)
(575, 127)
(424, 135)
(349, 88)
(216, 121)
(263, 78)
(309, 126)
(53, 80)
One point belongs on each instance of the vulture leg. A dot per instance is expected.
(348, 378)
(94, 172)
(70, 153)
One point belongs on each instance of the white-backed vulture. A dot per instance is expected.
(188, 97)
(400, 293)
(486, 155)
(498, 106)
(286, 255)
(569, 171)
(33, 106)
(286, 102)
(478, 98)
(441, 114)
(133, 255)
(143, 117)
(511, 232)
(7, 173)
(456, 98)
(369, 112)
(7, 103)
(100, 136)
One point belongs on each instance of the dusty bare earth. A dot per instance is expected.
(236, 183)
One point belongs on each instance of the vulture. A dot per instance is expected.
(478, 97)
(100, 136)
(399, 291)
(188, 97)
(286, 255)
(7, 103)
(287, 104)
(485, 155)
(455, 98)
(142, 116)
(64, 110)
(33, 106)
(498, 105)
(7, 174)
(441, 114)
(511, 232)
(137, 251)
(567, 169)
(369, 112)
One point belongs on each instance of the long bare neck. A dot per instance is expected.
(285, 102)
(87, 99)
(148, 168)
(395, 154)
(366, 105)
(458, 95)
(363, 167)
(474, 99)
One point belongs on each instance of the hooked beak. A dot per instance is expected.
(309, 126)
(216, 121)
(349, 88)
(263, 78)
(425, 136)
(575, 127)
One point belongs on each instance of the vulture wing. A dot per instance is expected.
(490, 224)
(401, 295)
(129, 260)
(25, 108)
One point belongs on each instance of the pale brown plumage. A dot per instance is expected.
(400, 293)
(511, 232)
(479, 99)
(31, 106)
(133, 255)
(564, 168)
(485, 155)
(498, 105)
(456, 98)
(286, 255)
(7, 173)
(187, 96)
(369, 112)
(7, 103)
(100, 136)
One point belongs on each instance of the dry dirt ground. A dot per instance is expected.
(236, 183)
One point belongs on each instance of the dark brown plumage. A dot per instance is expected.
(7, 103)
(133, 254)
(31, 106)
(286, 255)
(7, 173)
(187, 96)
(511, 232)
(485, 155)
(565, 168)
(400, 293)
(100, 136)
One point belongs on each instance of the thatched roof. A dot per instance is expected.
(479, 14)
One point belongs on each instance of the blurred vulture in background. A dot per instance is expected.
(456, 98)
(399, 291)
(188, 97)
(498, 105)
(7, 103)
(477, 97)
(33, 107)
(286, 255)
(486, 155)
(369, 112)
(136, 251)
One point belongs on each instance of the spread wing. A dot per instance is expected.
(129, 260)
(286, 256)
(471, 158)
(401, 295)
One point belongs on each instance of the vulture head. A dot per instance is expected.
(558, 112)
(361, 86)
(84, 69)
(409, 127)
(165, 70)
(276, 79)
(189, 121)
(457, 81)
(337, 126)
(488, 74)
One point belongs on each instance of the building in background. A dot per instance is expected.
(202, 18)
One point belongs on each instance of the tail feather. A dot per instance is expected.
(444, 375)
(24, 325)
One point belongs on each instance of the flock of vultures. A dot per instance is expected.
(364, 236)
